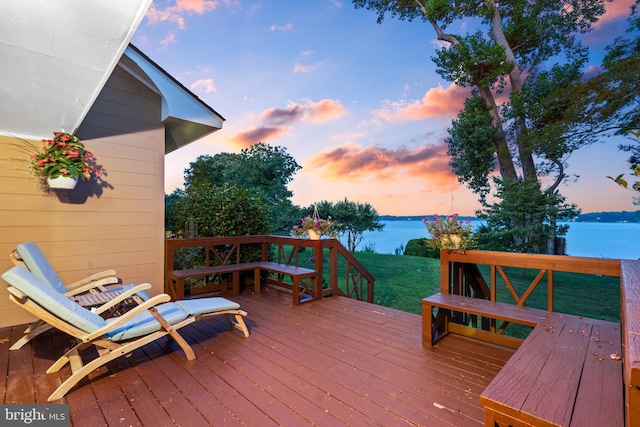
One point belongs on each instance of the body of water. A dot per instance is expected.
(590, 239)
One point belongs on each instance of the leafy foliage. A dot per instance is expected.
(635, 165)
(421, 247)
(261, 169)
(64, 155)
(224, 210)
(355, 218)
(612, 98)
(523, 219)
(473, 124)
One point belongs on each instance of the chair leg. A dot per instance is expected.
(31, 332)
(188, 351)
(239, 321)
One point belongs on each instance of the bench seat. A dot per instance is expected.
(477, 307)
(301, 277)
(563, 374)
(567, 372)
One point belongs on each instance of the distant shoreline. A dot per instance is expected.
(623, 216)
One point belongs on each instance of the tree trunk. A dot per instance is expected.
(505, 160)
(515, 78)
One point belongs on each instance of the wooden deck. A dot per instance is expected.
(330, 362)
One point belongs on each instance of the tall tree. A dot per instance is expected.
(354, 218)
(508, 51)
(261, 168)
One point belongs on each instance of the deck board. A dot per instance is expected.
(330, 362)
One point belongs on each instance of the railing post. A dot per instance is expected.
(550, 295)
(319, 251)
(333, 270)
(168, 263)
(444, 272)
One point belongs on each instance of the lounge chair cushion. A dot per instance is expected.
(53, 301)
(145, 323)
(39, 265)
(195, 307)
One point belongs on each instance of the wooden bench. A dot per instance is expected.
(630, 320)
(562, 374)
(302, 278)
(435, 327)
(568, 372)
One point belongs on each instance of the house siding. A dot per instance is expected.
(116, 223)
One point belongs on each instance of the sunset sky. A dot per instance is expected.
(357, 104)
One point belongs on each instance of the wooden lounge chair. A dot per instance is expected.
(115, 336)
(29, 256)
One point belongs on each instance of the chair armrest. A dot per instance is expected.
(98, 284)
(92, 278)
(145, 306)
(123, 296)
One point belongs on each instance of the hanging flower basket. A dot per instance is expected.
(315, 227)
(63, 160)
(450, 233)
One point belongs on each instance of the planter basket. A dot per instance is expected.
(451, 241)
(314, 235)
(63, 182)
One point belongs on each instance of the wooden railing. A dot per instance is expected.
(453, 278)
(357, 282)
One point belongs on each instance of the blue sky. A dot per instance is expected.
(357, 104)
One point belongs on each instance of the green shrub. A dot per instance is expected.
(421, 247)
(214, 211)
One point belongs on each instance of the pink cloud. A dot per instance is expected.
(174, 14)
(316, 112)
(205, 84)
(169, 39)
(615, 10)
(591, 71)
(156, 15)
(276, 121)
(200, 6)
(252, 136)
(436, 102)
(429, 162)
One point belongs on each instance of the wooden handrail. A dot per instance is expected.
(356, 273)
(546, 264)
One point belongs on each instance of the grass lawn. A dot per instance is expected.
(402, 281)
